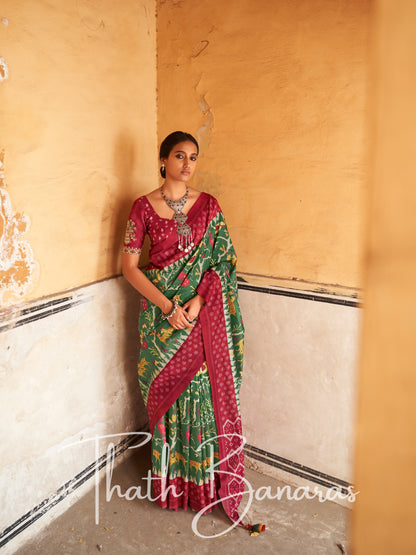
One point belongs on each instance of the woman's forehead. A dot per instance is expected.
(185, 146)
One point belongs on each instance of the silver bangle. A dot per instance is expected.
(172, 311)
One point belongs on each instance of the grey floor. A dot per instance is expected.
(140, 526)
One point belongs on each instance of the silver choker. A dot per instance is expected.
(185, 239)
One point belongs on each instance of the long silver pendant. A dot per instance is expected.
(185, 239)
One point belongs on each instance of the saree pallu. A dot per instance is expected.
(190, 379)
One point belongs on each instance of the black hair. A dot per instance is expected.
(170, 141)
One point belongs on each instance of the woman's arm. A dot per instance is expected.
(145, 287)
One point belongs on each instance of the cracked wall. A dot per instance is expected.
(277, 97)
(78, 126)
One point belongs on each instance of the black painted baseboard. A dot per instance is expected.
(298, 294)
(61, 493)
(25, 314)
(297, 469)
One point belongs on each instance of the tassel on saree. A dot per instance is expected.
(255, 529)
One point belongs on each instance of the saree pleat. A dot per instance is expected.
(189, 428)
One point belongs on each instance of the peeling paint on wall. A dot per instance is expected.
(18, 270)
(207, 181)
(204, 132)
(4, 70)
(71, 76)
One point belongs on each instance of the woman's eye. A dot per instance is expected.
(179, 156)
(193, 158)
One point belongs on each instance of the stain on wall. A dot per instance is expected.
(204, 132)
(277, 96)
(4, 70)
(18, 269)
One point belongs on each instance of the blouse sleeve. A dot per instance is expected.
(135, 229)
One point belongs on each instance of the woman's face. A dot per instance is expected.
(181, 162)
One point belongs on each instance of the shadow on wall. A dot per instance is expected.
(124, 163)
(130, 337)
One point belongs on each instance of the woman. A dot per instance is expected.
(191, 336)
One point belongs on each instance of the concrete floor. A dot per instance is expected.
(305, 527)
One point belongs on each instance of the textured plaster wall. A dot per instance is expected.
(65, 378)
(276, 93)
(78, 135)
(299, 368)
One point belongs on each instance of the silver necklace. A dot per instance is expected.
(185, 239)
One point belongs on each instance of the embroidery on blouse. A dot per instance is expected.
(131, 250)
(130, 232)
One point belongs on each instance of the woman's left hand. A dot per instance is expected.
(193, 307)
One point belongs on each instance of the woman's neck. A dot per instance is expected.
(174, 189)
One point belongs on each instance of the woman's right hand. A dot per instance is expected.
(179, 320)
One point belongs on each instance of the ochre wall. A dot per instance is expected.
(78, 135)
(276, 93)
(276, 99)
(385, 513)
